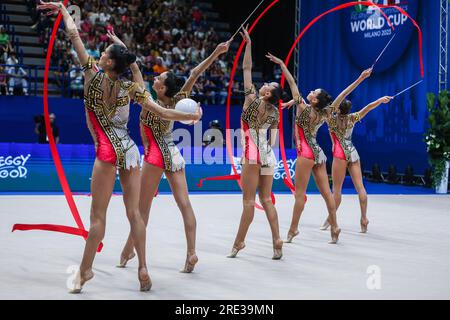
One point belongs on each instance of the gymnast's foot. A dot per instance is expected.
(364, 223)
(144, 279)
(277, 249)
(335, 235)
(191, 261)
(81, 279)
(236, 249)
(291, 235)
(325, 225)
(124, 258)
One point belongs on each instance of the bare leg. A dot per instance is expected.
(265, 189)
(178, 185)
(355, 172)
(303, 169)
(129, 180)
(102, 185)
(321, 179)
(249, 181)
(150, 178)
(338, 173)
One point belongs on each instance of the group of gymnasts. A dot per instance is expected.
(107, 101)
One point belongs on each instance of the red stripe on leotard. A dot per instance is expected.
(153, 154)
(338, 152)
(251, 151)
(303, 148)
(105, 151)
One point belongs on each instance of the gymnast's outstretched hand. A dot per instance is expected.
(274, 59)
(223, 47)
(53, 7)
(288, 104)
(385, 99)
(114, 38)
(366, 73)
(245, 35)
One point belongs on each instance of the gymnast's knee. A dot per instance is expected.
(266, 202)
(362, 194)
(249, 203)
(133, 215)
(97, 229)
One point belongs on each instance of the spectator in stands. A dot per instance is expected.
(215, 135)
(4, 37)
(76, 80)
(3, 83)
(41, 131)
(159, 67)
(5, 45)
(17, 75)
(173, 30)
(5, 51)
(93, 50)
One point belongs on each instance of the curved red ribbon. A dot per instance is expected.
(287, 180)
(81, 231)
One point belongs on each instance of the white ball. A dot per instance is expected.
(187, 106)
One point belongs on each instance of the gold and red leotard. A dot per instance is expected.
(341, 130)
(108, 122)
(256, 147)
(308, 121)
(156, 133)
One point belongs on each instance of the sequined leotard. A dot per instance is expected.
(308, 121)
(156, 133)
(108, 122)
(256, 147)
(341, 130)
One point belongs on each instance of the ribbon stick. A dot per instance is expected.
(243, 23)
(384, 49)
(410, 87)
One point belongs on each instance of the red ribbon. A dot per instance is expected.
(51, 227)
(81, 231)
(288, 181)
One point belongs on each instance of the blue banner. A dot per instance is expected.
(30, 168)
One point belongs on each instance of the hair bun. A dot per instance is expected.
(285, 96)
(179, 81)
(131, 58)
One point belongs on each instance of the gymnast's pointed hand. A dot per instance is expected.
(385, 99)
(274, 59)
(53, 7)
(114, 38)
(366, 73)
(288, 104)
(245, 35)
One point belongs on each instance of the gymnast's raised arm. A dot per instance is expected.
(337, 102)
(71, 28)
(198, 70)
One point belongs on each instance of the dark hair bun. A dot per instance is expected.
(173, 84)
(285, 96)
(122, 58)
(324, 99)
(278, 94)
(131, 58)
(179, 81)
